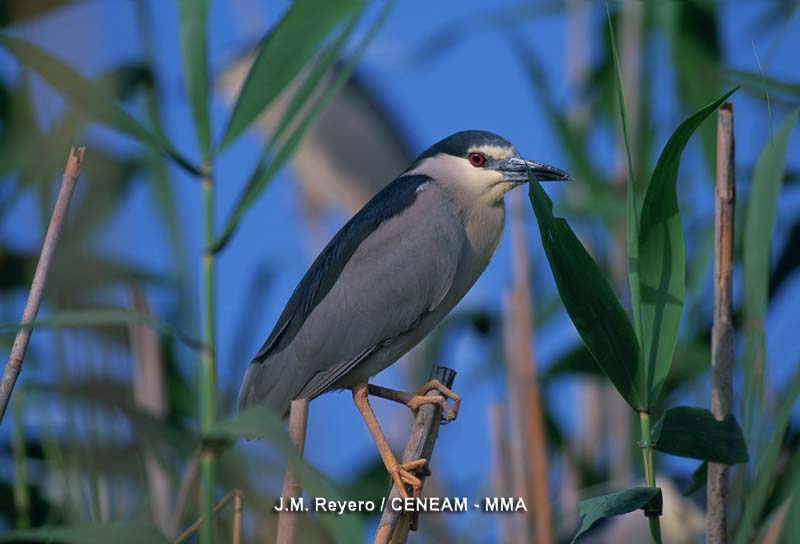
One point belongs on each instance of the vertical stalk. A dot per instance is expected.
(649, 472)
(208, 370)
(288, 521)
(722, 332)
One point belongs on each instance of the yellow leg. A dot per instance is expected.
(400, 473)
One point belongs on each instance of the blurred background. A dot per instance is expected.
(104, 418)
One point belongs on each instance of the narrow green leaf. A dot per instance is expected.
(260, 422)
(756, 82)
(791, 522)
(614, 504)
(284, 52)
(631, 211)
(310, 84)
(193, 23)
(590, 302)
(118, 533)
(91, 99)
(756, 497)
(695, 432)
(263, 174)
(699, 479)
(693, 34)
(102, 317)
(662, 258)
(759, 224)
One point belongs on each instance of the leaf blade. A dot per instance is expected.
(118, 532)
(262, 175)
(96, 317)
(260, 422)
(590, 302)
(613, 504)
(193, 24)
(662, 255)
(284, 52)
(91, 99)
(695, 433)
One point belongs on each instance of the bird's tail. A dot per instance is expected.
(270, 384)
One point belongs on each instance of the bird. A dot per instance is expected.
(387, 278)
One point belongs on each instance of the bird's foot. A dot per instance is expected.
(402, 476)
(421, 398)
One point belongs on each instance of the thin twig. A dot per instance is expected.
(395, 524)
(14, 364)
(287, 521)
(722, 331)
(234, 496)
(187, 483)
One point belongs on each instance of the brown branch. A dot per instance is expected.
(14, 364)
(287, 521)
(722, 332)
(395, 524)
(234, 496)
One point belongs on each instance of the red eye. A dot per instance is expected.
(476, 159)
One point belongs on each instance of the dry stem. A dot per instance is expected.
(14, 364)
(722, 331)
(521, 357)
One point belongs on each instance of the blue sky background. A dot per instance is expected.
(478, 83)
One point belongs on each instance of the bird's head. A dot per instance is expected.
(483, 163)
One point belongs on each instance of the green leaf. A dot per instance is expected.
(260, 422)
(759, 224)
(791, 522)
(91, 99)
(662, 259)
(699, 479)
(695, 432)
(590, 302)
(285, 51)
(193, 22)
(767, 460)
(631, 209)
(312, 81)
(614, 504)
(263, 174)
(693, 33)
(102, 317)
(118, 533)
(755, 83)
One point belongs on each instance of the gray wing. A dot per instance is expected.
(394, 275)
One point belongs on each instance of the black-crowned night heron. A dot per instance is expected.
(388, 277)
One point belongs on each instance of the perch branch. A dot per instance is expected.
(395, 524)
(722, 331)
(287, 521)
(14, 364)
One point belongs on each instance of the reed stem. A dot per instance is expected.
(649, 472)
(208, 370)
